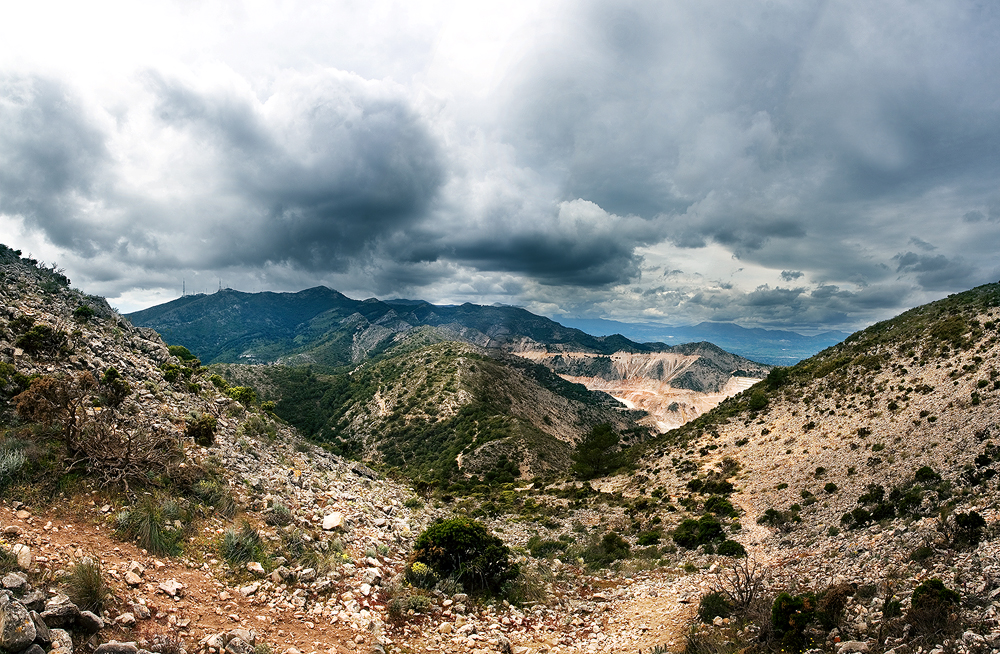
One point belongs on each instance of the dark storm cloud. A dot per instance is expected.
(791, 275)
(323, 169)
(761, 126)
(52, 161)
(577, 244)
(934, 272)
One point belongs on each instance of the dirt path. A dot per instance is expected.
(208, 603)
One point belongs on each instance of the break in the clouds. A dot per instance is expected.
(803, 164)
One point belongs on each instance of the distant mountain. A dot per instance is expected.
(771, 346)
(324, 328)
(321, 326)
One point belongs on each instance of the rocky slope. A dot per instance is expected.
(908, 405)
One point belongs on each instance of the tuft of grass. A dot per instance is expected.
(242, 546)
(217, 495)
(278, 515)
(145, 524)
(85, 585)
(8, 562)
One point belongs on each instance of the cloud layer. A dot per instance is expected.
(813, 165)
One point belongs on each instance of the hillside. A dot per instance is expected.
(442, 411)
(322, 326)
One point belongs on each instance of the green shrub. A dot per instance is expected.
(720, 506)
(926, 475)
(922, 553)
(218, 382)
(541, 549)
(830, 487)
(216, 494)
(181, 352)
(612, 547)
(789, 616)
(692, 533)
(85, 585)
(648, 538)
(83, 313)
(243, 394)
(41, 339)
(278, 515)
(714, 605)
(464, 550)
(421, 575)
(8, 561)
(731, 548)
(241, 546)
(969, 529)
(596, 454)
(781, 520)
(113, 388)
(171, 372)
(11, 463)
(930, 606)
(202, 430)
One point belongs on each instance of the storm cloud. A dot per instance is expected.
(804, 164)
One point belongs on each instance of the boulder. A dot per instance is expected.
(34, 600)
(333, 521)
(126, 620)
(34, 648)
(17, 629)
(15, 581)
(42, 634)
(171, 587)
(238, 646)
(60, 611)
(852, 647)
(61, 640)
(89, 623)
(23, 554)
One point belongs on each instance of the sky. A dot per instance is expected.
(803, 165)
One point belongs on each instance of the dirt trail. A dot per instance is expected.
(208, 603)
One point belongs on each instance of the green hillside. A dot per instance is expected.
(420, 407)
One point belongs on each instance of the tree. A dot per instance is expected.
(595, 455)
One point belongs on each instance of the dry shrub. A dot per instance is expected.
(108, 444)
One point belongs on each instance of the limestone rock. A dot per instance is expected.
(333, 521)
(23, 554)
(60, 612)
(172, 587)
(17, 629)
(89, 623)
